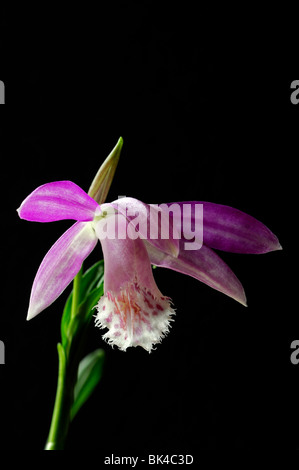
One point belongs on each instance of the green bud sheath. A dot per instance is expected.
(101, 184)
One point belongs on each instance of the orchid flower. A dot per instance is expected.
(132, 307)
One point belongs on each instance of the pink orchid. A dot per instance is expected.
(132, 308)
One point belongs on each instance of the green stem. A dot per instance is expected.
(60, 417)
(67, 373)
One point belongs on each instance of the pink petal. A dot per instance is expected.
(150, 223)
(229, 229)
(203, 265)
(57, 201)
(60, 265)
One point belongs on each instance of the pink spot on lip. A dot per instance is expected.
(117, 333)
(159, 307)
(109, 318)
(148, 303)
(104, 307)
(155, 313)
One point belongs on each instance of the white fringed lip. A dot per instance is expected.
(134, 317)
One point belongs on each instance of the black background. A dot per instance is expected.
(203, 105)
